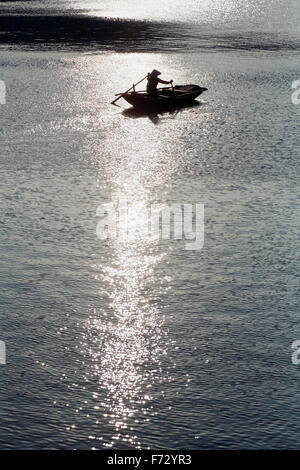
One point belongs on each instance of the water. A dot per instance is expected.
(145, 344)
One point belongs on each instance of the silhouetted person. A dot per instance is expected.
(153, 81)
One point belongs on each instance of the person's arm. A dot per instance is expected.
(164, 82)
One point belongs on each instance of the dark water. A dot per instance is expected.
(89, 33)
(218, 25)
(143, 343)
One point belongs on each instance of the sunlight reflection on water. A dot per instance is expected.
(127, 341)
(127, 344)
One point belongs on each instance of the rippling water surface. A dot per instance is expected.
(142, 343)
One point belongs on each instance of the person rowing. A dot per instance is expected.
(153, 81)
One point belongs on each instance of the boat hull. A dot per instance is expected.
(166, 98)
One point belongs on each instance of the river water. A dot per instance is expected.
(142, 343)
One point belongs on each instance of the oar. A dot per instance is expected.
(114, 101)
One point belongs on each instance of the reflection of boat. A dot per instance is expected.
(180, 95)
(156, 115)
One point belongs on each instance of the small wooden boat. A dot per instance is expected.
(175, 97)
